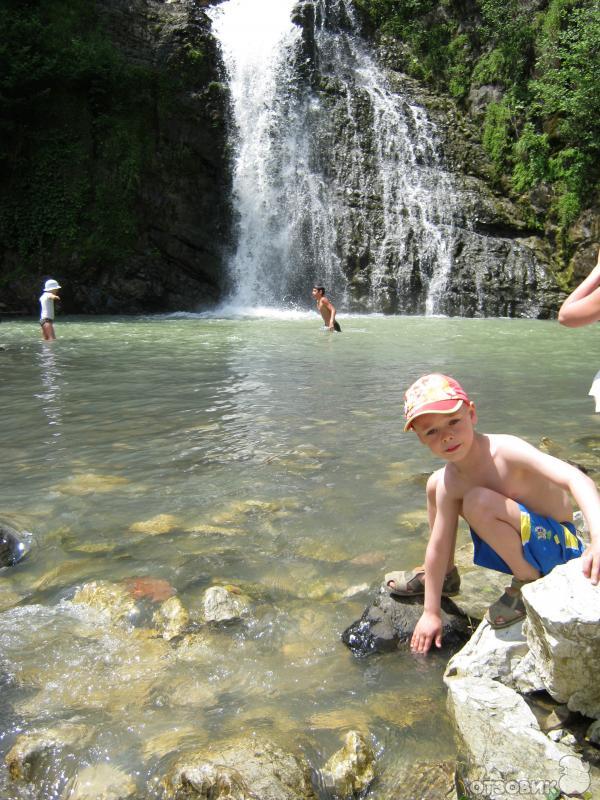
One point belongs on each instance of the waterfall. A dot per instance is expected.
(340, 178)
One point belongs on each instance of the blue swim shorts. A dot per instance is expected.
(546, 543)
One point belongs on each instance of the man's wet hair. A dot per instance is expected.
(319, 287)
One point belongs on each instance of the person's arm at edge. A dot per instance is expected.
(582, 306)
(428, 629)
(581, 487)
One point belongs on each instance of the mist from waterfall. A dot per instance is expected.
(338, 178)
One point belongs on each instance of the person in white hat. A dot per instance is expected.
(47, 309)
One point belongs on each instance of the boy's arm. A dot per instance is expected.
(429, 627)
(580, 486)
(331, 308)
(582, 306)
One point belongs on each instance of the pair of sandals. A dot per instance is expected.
(507, 610)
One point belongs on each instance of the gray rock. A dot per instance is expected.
(220, 605)
(563, 610)
(249, 768)
(495, 655)
(13, 547)
(101, 782)
(349, 771)
(30, 749)
(593, 732)
(502, 747)
(389, 622)
(479, 588)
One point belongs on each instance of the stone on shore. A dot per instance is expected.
(563, 625)
(496, 655)
(503, 752)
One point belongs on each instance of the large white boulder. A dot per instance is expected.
(563, 634)
(497, 655)
(502, 751)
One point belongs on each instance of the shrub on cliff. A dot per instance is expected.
(544, 60)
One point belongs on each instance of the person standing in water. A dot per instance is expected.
(326, 309)
(47, 309)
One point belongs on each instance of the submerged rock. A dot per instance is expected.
(111, 599)
(421, 780)
(245, 769)
(91, 483)
(12, 547)
(31, 748)
(171, 618)
(155, 589)
(350, 771)
(389, 622)
(220, 604)
(101, 782)
(161, 523)
(209, 780)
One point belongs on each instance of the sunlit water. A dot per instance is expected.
(277, 451)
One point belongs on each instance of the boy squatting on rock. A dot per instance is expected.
(509, 493)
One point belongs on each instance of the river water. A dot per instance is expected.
(261, 453)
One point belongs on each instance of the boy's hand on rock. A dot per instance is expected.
(427, 630)
(591, 563)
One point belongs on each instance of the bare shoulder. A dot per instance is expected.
(505, 445)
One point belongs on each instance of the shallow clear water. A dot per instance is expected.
(276, 450)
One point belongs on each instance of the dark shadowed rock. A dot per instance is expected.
(12, 549)
(389, 622)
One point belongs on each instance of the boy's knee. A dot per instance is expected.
(477, 503)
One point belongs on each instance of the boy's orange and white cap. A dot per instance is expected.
(433, 394)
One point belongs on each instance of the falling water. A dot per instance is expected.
(339, 178)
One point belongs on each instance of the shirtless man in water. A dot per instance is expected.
(326, 308)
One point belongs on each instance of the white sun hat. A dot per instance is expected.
(51, 284)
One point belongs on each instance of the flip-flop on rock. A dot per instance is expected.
(509, 608)
(411, 584)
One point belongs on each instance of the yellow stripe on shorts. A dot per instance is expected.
(525, 527)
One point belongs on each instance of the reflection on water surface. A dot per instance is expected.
(166, 456)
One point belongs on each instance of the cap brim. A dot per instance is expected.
(439, 407)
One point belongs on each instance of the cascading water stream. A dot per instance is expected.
(337, 177)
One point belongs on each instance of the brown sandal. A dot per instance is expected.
(508, 609)
(410, 584)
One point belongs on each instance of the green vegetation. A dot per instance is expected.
(77, 136)
(541, 126)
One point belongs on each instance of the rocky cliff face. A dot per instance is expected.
(183, 201)
(390, 227)
(123, 190)
(417, 226)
